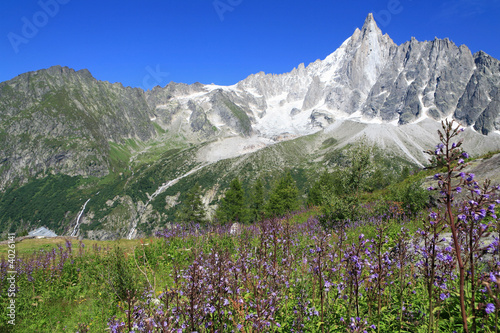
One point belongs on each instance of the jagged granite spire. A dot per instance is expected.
(371, 50)
(370, 26)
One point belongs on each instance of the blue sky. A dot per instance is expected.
(149, 42)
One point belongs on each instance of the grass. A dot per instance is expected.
(119, 156)
(241, 116)
(159, 130)
(329, 142)
(27, 247)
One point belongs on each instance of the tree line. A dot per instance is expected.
(238, 206)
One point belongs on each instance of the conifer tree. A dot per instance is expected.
(232, 207)
(343, 202)
(257, 203)
(284, 197)
(359, 157)
(192, 209)
(323, 187)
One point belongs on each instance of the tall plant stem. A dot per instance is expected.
(129, 321)
(473, 279)
(460, 267)
(454, 233)
(496, 320)
(379, 278)
(321, 285)
(430, 288)
(401, 290)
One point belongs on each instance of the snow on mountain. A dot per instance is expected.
(368, 79)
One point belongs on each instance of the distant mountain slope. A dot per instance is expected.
(127, 144)
(59, 120)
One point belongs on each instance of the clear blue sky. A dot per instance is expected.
(220, 41)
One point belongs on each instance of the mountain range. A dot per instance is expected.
(134, 152)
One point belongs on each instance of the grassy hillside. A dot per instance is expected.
(138, 170)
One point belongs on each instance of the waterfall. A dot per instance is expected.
(75, 231)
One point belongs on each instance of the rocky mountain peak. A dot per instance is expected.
(370, 27)
(367, 53)
(484, 60)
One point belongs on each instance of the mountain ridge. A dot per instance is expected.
(126, 143)
(369, 78)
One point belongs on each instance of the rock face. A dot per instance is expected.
(480, 103)
(59, 120)
(371, 78)
(429, 84)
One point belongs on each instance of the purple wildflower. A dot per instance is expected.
(489, 308)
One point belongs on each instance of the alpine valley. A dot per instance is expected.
(104, 161)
